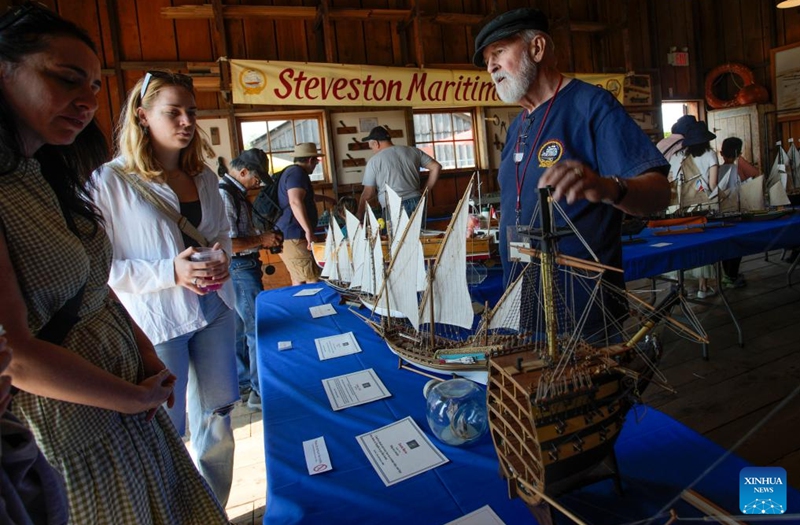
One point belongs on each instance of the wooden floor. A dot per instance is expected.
(743, 398)
(730, 398)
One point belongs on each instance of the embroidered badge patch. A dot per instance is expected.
(550, 153)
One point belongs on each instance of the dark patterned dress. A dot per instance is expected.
(118, 468)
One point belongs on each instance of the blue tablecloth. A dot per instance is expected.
(718, 241)
(658, 456)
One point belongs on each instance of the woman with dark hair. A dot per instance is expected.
(184, 306)
(90, 383)
(700, 159)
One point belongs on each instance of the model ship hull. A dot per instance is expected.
(544, 446)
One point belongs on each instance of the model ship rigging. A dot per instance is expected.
(435, 330)
(561, 375)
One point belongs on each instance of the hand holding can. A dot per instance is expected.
(208, 255)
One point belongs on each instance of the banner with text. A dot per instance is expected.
(315, 84)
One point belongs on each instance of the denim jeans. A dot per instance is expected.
(246, 275)
(204, 362)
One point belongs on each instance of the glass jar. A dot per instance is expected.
(456, 410)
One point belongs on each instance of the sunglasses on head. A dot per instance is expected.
(177, 79)
(15, 14)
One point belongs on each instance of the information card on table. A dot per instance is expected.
(354, 389)
(400, 451)
(483, 516)
(336, 346)
(322, 310)
(317, 458)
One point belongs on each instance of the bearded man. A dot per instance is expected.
(571, 136)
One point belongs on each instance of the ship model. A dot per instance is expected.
(558, 387)
(349, 264)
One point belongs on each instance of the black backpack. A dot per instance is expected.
(266, 210)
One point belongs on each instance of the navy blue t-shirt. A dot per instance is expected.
(587, 124)
(295, 177)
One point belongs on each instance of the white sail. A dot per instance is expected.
(448, 293)
(794, 163)
(506, 313)
(777, 196)
(403, 270)
(394, 205)
(728, 188)
(358, 248)
(372, 220)
(326, 269)
(422, 275)
(401, 223)
(342, 252)
(372, 271)
(778, 172)
(751, 194)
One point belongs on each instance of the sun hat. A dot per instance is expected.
(697, 134)
(305, 150)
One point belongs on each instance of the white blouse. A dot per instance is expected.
(145, 242)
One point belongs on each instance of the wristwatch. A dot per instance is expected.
(622, 190)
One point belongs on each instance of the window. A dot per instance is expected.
(447, 136)
(277, 135)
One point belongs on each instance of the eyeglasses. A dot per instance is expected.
(177, 79)
(12, 16)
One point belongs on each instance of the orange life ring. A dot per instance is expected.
(734, 69)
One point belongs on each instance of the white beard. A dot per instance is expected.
(514, 87)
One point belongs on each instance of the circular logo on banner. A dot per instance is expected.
(550, 153)
(321, 467)
(614, 87)
(252, 81)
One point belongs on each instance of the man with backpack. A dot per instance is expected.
(246, 173)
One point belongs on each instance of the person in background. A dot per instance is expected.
(734, 171)
(397, 167)
(245, 173)
(299, 214)
(160, 160)
(672, 146)
(90, 383)
(346, 203)
(31, 491)
(573, 137)
(701, 167)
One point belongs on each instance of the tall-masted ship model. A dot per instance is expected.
(557, 389)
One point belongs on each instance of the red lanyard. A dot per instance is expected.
(533, 147)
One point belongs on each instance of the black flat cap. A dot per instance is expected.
(506, 25)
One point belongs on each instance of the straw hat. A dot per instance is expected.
(305, 150)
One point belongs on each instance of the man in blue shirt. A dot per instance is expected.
(571, 136)
(299, 214)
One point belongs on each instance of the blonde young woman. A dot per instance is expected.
(90, 384)
(170, 296)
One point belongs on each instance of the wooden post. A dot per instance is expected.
(221, 45)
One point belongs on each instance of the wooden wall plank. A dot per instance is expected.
(157, 34)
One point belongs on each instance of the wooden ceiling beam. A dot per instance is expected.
(378, 15)
(457, 19)
(193, 12)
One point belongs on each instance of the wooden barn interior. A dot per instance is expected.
(685, 51)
